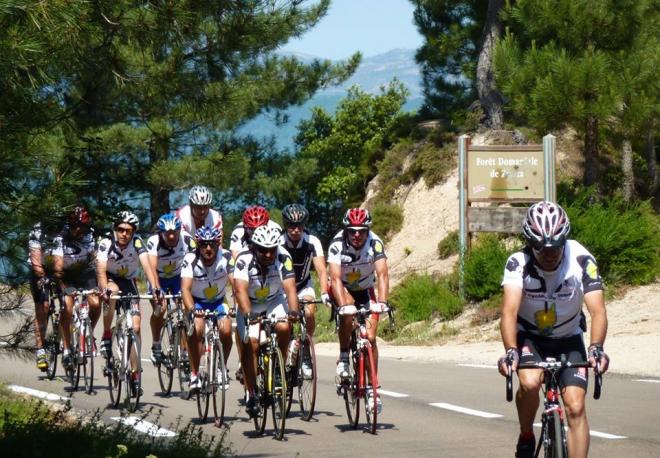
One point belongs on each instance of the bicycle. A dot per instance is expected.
(123, 364)
(306, 383)
(270, 387)
(82, 341)
(52, 335)
(553, 434)
(212, 370)
(175, 330)
(354, 387)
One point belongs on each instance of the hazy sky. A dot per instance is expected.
(369, 26)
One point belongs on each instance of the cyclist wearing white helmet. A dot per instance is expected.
(118, 259)
(545, 285)
(198, 213)
(264, 281)
(166, 250)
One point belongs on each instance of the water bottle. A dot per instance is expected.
(292, 354)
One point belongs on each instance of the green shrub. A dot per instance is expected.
(449, 245)
(420, 297)
(624, 238)
(387, 219)
(484, 266)
(433, 163)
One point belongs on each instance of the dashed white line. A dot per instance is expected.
(480, 366)
(595, 433)
(393, 394)
(465, 410)
(38, 394)
(145, 360)
(144, 426)
(646, 380)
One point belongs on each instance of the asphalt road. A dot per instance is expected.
(426, 412)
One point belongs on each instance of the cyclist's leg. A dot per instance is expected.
(307, 293)
(250, 351)
(527, 397)
(109, 312)
(65, 322)
(344, 333)
(280, 309)
(41, 306)
(196, 340)
(573, 382)
(224, 331)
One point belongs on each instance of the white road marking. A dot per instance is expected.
(144, 426)
(145, 360)
(393, 394)
(595, 433)
(38, 394)
(646, 380)
(480, 366)
(465, 410)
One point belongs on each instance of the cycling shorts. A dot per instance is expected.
(363, 300)
(279, 307)
(85, 281)
(169, 285)
(39, 295)
(535, 348)
(306, 290)
(127, 286)
(218, 306)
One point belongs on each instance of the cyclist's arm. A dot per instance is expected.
(35, 260)
(509, 320)
(153, 264)
(383, 279)
(319, 267)
(337, 284)
(289, 286)
(595, 302)
(152, 278)
(102, 274)
(186, 293)
(241, 297)
(58, 269)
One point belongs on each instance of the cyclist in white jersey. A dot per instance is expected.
(166, 250)
(73, 259)
(356, 258)
(118, 259)
(198, 213)
(264, 281)
(205, 275)
(544, 287)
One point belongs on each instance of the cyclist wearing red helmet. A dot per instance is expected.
(545, 285)
(253, 217)
(356, 257)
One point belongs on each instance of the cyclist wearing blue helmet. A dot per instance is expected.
(205, 275)
(166, 250)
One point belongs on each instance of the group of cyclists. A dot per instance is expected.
(268, 267)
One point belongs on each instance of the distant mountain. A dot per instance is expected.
(372, 73)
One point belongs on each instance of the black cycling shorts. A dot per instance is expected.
(535, 348)
(126, 286)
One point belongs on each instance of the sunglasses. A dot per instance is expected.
(295, 226)
(124, 230)
(353, 231)
(207, 243)
(263, 250)
(547, 250)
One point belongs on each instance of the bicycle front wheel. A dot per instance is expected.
(278, 392)
(555, 446)
(204, 391)
(114, 369)
(87, 355)
(181, 363)
(133, 373)
(165, 367)
(52, 344)
(307, 378)
(371, 406)
(351, 387)
(219, 384)
(73, 371)
(261, 393)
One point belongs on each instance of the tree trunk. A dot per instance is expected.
(489, 97)
(627, 169)
(591, 164)
(649, 150)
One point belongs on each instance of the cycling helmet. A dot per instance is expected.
(200, 195)
(127, 217)
(168, 222)
(79, 216)
(266, 236)
(546, 225)
(357, 217)
(207, 234)
(255, 216)
(295, 214)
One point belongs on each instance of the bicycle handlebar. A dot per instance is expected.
(142, 296)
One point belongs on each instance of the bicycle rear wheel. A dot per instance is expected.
(114, 369)
(218, 387)
(87, 352)
(73, 371)
(165, 367)
(133, 377)
(555, 446)
(307, 384)
(350, 389)
(204, 392)
(261, 394)
(278, 393)
(371, 412)
(182, 364)
(52, 344)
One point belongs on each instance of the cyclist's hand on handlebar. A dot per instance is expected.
(293, 316)
(158, 293)
(43, 282)
(597, 355)
(508, 362)
(325, 298)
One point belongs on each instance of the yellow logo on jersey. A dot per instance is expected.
(211, 291)
(49, 260)
(592, 270)
(122, 272)
(378, 247)
(545, 320)
(353, 278)
(168, 270)
(193, 244)
(262, 293)
(288, 265)
(138, 243)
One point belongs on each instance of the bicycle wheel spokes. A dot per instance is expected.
(73, 371)
(52, 344)
(371, 406)
(133, 373)
(350, 389)
(307, 381)
(262, 394)
(165, 367)
(204, 392)
(278, 393)
(88, 357)
(114, 369)
(219, 383)
(555, 444)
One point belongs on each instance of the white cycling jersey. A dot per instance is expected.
(239, 241)
(209, 282)
(264, 284)
(76, 254)
(213, 219)
(170, 258)
(552, 301)
(121, 262)
(38, 241)
(357, 266)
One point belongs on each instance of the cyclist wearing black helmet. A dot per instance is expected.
(545, 285)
